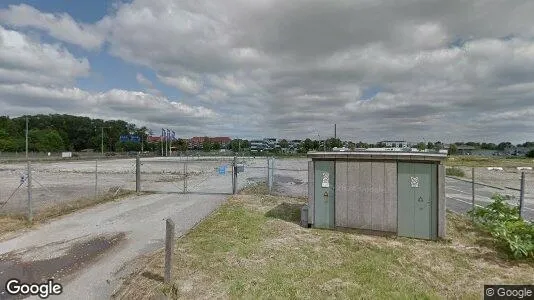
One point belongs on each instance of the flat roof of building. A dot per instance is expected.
(379, 155)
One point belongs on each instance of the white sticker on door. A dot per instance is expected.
(414, 182)
(325, 182)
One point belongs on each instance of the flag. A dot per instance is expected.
(174, 136)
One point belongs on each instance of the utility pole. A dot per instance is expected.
(102, 140)
(335, 131)
(161, 141)
(27, 137)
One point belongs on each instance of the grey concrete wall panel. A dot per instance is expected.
(390, 197)
(311, 189)
(442, 213)
(365, 195)
(377, 195)
(355, 207)
(341, 203)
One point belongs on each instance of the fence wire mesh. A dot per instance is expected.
(62, 183)
(488, 182)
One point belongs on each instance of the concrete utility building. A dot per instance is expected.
(398, 192)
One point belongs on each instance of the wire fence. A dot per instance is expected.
(515, 184)
(51, 184)
(57, 183)
(39, 185)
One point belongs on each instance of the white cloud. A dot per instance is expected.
(114, 103)
(25, 61)
(183, 83)
(297, 67)
(60, 26)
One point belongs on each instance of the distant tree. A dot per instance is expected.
(206, 144)
(351, 145)
(421, 146)
(333, 142)
(430, 145)
(307, 145)
(453, 149)
(215, 146)
(361, 144)
(316, 145)
(181, 145)
(284, 143)
(504, 145)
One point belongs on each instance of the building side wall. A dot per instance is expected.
(442, 213)
(311, 191)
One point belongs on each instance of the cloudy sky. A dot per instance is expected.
(405, 69)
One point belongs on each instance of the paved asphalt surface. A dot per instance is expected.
(459, 197)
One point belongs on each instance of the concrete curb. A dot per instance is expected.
(479, 183)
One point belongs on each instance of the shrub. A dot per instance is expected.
(530, 153)
(454, 171)
(503, 222)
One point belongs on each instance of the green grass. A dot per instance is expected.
(482, 161)
(251, 249)
(454, 171)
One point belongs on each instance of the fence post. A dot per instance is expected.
(169, 249)
(473, 188)
(234, 175)
(137, 174)
(30, 212)
(96, 178)
(185, 175)
(522, 194)
(269, 174)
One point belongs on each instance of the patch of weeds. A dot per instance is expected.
(514, 235)
(455, 171)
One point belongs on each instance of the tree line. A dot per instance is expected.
(57, 132)
(62, 132)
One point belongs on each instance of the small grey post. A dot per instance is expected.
(185, 175)
(522, 194)
(169, 249)
(473, 188)
(234, 176)
(96, 178)
(137, 174)
(30, 212)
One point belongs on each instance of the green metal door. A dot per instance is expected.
(324, 194)
(417, 200)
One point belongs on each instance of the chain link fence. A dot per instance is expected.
(490, 181)
(60, 184)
